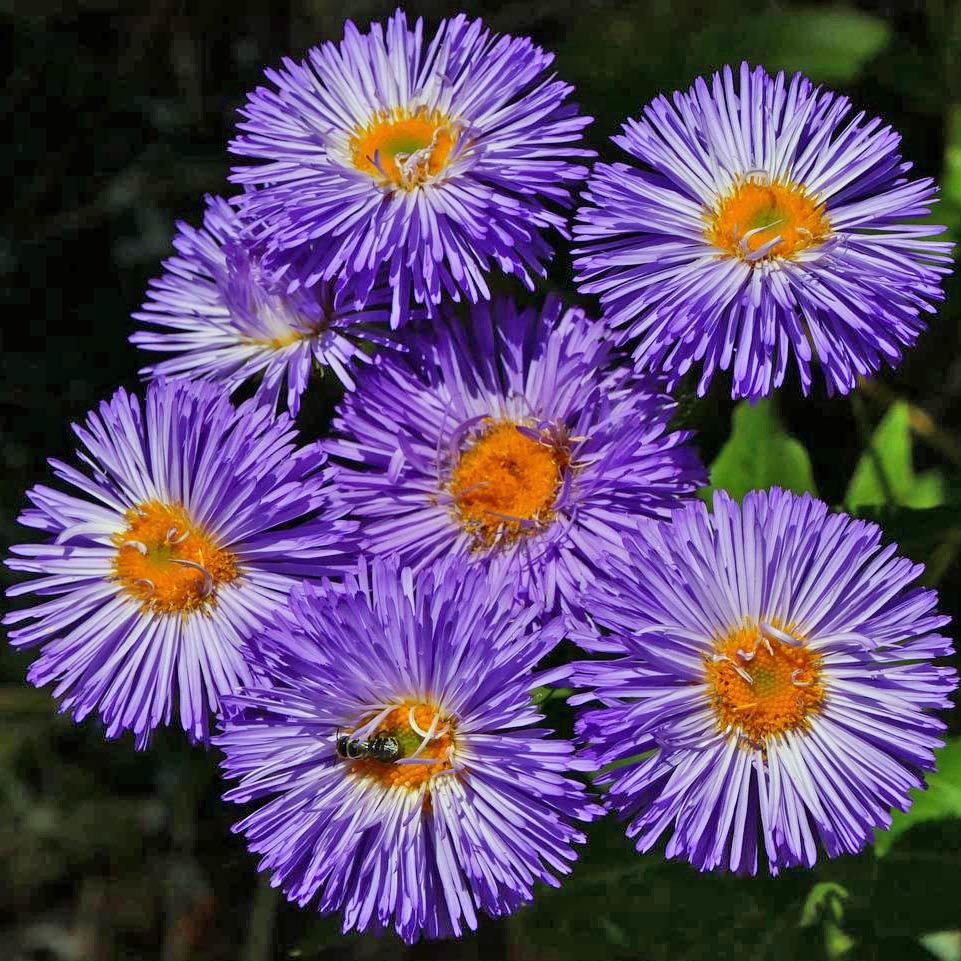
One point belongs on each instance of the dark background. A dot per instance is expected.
(116, 119)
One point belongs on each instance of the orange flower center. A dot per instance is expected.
(404, 149)
(505, 480)
(765, 220)
(167, 561)
(430, 737)
(761, 686)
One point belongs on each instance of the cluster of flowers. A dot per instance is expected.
(367, 616)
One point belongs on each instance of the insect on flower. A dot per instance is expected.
(403, 775)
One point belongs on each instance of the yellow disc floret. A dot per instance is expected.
(423, 734)
(761, 686)
(761, 220)
(168, 562)
(504, 480)
(402, 148)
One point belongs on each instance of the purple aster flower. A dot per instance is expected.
(410, 781)
(772, 686)
(226, 319)
(515, 442)
(191, 521)
(763, 222)
(442, 159)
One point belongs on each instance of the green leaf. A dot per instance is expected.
(887, 467)
(824, 905)
(601, 50)
(944, 945)
(829, 44)
(942, 799)
(825, 900)
(546, 693)
(761, 454)
(837, 942)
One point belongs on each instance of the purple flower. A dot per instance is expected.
(227, 320)
(772, 684)
(191, 522)
(411, 783)
(442, 159)
(763, 223)
(515, 442)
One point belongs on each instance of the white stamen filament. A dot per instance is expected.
(763, 250)
(365, 729)
(412, 721)
(208, 577)
(449, 759)
(772, 632)
(137, 545)
(416, 165)
(737, 667)
(757, 230)
(427, 738)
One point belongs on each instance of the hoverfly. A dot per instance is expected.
(380, 747)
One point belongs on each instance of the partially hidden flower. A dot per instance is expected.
(225, 318)
(406, 779)
(189, 523)
(762, 224)
(516, 442)
(771, 688)
(442, 158)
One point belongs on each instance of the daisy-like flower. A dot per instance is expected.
(763, 223)
(773, 687)
(192, 520)
(411, 783)
(227, 320)
(441, 158)
(515, 442)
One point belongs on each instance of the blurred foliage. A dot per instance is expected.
(117, 118)
(944, 945)
(885, 473)
(824, 907)
(761, 454)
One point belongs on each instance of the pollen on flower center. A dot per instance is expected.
(167, 561)
(425, 738)
(402, 148)
(762, 686)
(767, 220)
(506, 483)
